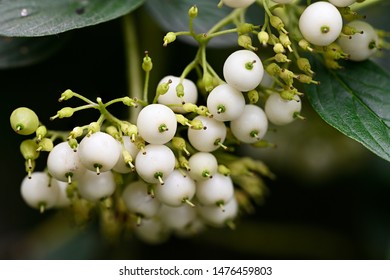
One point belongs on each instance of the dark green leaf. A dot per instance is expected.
(18, 52)
(47, 17)
(172, 15)
(356, 101)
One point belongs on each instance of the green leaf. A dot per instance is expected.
(28, 18)
(356, 101)
(172, 15)
(18, 52)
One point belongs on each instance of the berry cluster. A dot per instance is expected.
(173, 167)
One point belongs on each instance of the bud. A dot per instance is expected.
(245, 28)
(304, 65)
(245, 41)
(253, 96)
(45, 145)
(41, 132)
(147, 64)
(93, 127)
(76, 132)
(193, 11)
(278, 48)
(67, 94)
(180, 90)
(65, 112)
(277, 23)
(169, 38)
(263, 38)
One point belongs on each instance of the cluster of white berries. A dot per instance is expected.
(177, 179)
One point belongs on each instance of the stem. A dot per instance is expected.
(134, 83)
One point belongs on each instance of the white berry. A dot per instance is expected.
(94, 187)
(280, 111)
(321, 23)
(361, 45)
(170, 98)
(225, 103)
(215, 216)
(62, 199)
(177, 217)
(342, 3)
(238, 3)
(40, 191)
(210, 138)
(63, 163)
(202, 165)
(155, 164)
(215, 191)
(152, 231)
(177, 189)
(251, 126)
(156, 124)
(243, 70)
(139, 201)
(99, 152)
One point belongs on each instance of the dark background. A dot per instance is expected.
(330, 199)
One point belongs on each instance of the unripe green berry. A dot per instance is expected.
(28, 149)
(24, 121)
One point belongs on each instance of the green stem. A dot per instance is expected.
(133, 64)
(226, 20)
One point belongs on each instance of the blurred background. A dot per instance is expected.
(330, 199)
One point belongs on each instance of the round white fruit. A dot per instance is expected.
(280, 111)
(40, 191)
(243, 70)
(156, 124)
(121, 166)
(225, 103)
(203, 166)
(321, 23)
(177, 190)
(216, 216)
(238, 3)
(94, 187)
(342, 3)
(361, 45)
(251, 126)
(209, 138)
(177, 217)
(215, 191)
(155, 164)
(63, 163)
(139, 201)
(99, 152)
